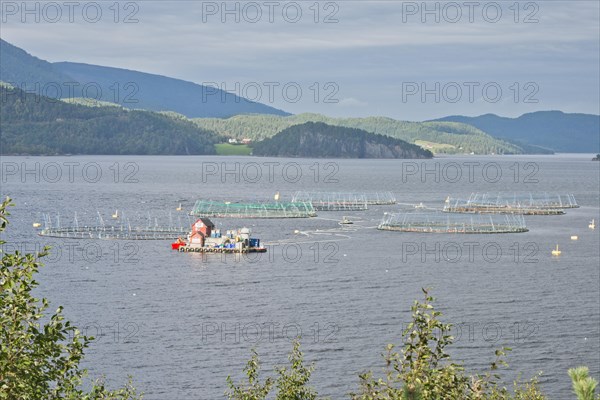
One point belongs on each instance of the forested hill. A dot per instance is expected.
(440, 137)
(32, 124)
(319, 140)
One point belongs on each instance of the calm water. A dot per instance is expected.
(180, 323)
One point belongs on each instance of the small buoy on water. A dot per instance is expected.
(134, 294)
(296, 231)
(574, 237)
(556, 252)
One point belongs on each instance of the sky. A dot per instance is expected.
(405, 60)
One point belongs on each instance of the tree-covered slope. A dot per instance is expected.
(319, 140)
(37, 125)
(461, 138)
(550, 129)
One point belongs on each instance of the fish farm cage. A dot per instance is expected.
(118, 228)
(344, 201)
(439, 222)
(227, 209)
(524, 204)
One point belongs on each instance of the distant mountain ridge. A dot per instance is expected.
(319, 140)
(20, 68)
(131, 89)
(161, 93)
(555, 130)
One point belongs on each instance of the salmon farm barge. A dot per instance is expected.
(440, 222)
(204, 238)
(227, 209)
(524, 204)
(344, 201)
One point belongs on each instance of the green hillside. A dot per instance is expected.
(448, 137)
(319, 140)
(37, 125)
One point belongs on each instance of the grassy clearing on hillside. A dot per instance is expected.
(226, 149)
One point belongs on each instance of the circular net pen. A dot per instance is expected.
(438, 222)
(226, 209)
(524, 204)
(121, 228)
(344, 201)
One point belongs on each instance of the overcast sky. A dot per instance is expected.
(365, 57)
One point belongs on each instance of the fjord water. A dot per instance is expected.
(180, 323)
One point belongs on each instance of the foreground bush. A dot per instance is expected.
(422, 370)
(40, 361)
(583, 385)
(292, 383)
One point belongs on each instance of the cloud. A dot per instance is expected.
(351, 102)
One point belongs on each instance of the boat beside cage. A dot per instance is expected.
(440, 222)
